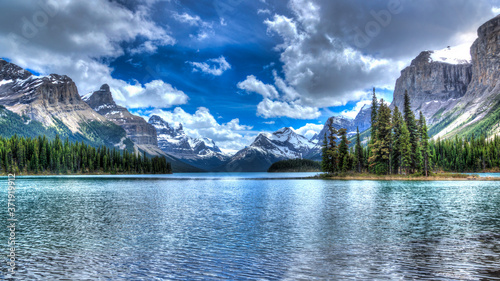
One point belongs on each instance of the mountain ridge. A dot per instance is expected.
(199, 152)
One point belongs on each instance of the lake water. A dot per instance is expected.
(244, 228)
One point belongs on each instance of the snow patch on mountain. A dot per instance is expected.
(199, 152)
(453, 55)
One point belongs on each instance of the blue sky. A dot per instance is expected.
(230, 69)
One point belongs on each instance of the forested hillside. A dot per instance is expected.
(24, 155)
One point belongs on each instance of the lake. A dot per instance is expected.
(242, 227)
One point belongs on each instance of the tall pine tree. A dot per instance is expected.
(424, 144)
(411, 124)
(358, 151)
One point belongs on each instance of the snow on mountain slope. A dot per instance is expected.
(453, 55)
(199, 152)
(268, 148)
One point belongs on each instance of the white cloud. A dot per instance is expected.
(269, 109)
(309, 130)
(251, 84)
(269, 122)
(186, 18)
(275, 105)
(230, 136)
(68, 45)
(263, 11)
(495, 10)
(283, 26)
(355, 110)
(205, 28)
(215, 66)
(321, 69)
(153, 94)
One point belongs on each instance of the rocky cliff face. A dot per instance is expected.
(199, 152)
(432, 85)
(478, 108)
(138, 130)
(48, 99)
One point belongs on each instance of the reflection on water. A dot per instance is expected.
(255, 229)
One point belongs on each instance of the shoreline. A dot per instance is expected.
(352, 177)
(391, 178)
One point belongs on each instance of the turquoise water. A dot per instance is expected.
(493, 175)
(242, 228)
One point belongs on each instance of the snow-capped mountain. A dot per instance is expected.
(362, 122)
(138, 130)
(53, 100)
(199, 152)
(268, 148)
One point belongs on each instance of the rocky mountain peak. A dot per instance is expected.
(10, 71)
(101, 100)
(199, 152)
(138, 130)
(105, 88)
(157, 121)
(431, 84)
(166, 129)
(422, 58)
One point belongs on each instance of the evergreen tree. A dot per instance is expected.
(332, 148)
(380, 160)
(325, 157)
(424, 144)
(405, 149)
(397, 124)
(343, 150)
(358, 151)
(411, 124)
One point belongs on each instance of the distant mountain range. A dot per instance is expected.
(199, 152)
(458, 98)
(50, 105)
(269, 148)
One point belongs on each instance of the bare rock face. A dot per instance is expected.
(483, 92)
(47, 99)
(432, 85)
(138, 130)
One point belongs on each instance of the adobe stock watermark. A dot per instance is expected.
(31, 25)
(381, 19)
(11, 223)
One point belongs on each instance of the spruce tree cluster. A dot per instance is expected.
(399, 144)
(465, 155)
(22, 155)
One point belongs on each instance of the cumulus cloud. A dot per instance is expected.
(230, 136)
(324, 62)
(153, 94)
(252, 84)
(287, 104)
(61, 37)
(355, 110)
(215, 66)
(309, 130)
(269, 109)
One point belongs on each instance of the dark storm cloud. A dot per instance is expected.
(333, 51)
(399, 28)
